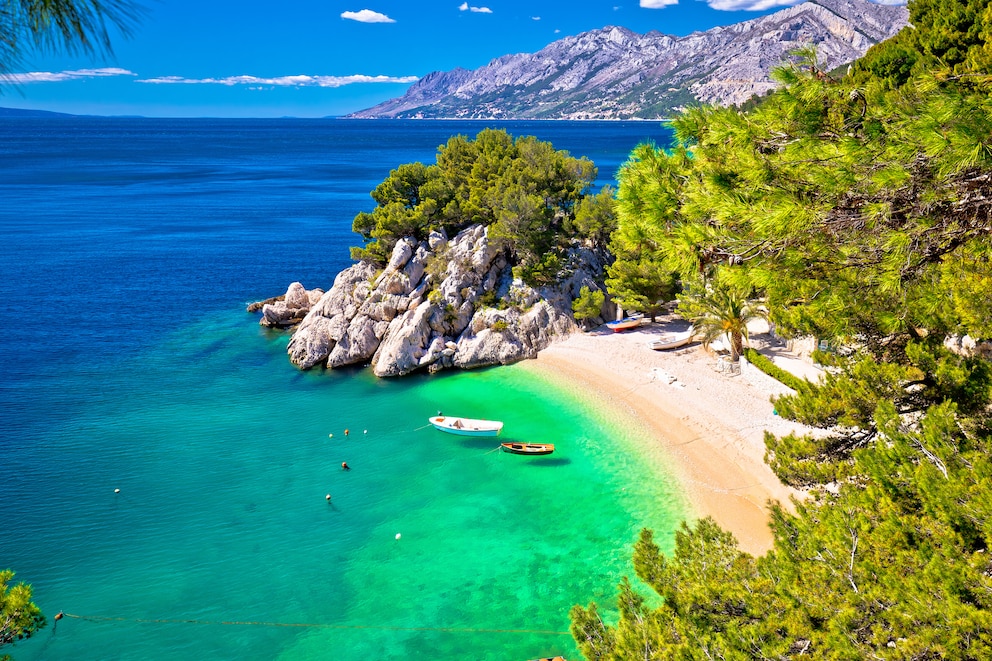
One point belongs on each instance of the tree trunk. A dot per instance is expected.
(736, 346)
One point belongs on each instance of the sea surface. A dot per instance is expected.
(128, 250)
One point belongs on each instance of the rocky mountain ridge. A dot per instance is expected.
(614, 73)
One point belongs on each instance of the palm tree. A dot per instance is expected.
(718, 312)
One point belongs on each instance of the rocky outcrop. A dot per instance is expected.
(438, 304)
(614, 73)
(289, 309)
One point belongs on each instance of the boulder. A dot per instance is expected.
(290, 308)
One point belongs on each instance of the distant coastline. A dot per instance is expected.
(22, 112)
(42, 114)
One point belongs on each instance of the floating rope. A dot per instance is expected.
(309, 625)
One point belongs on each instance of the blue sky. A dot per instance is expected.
(316, 58)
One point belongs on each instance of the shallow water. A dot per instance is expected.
(127, 253)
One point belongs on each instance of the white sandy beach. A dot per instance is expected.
(710, 424)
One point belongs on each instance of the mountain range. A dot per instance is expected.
(614, 73)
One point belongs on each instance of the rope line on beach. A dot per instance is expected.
(308, 625)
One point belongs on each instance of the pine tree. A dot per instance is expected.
(861, 212)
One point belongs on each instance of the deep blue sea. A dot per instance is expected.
(128, 251)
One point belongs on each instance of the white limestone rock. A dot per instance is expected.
(404, 318)
(291, 308)
(322, 327)
(405, 343)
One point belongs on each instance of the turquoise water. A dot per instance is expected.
(136, 368)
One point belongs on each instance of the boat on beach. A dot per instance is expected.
(633, 321)
(673, 340)
(528, 448)
(466, 426)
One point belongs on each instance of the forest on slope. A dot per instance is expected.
(858, 210)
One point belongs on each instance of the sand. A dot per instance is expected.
(710, 423)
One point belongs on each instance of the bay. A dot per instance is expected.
(128, 249)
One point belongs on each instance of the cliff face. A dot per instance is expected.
(427, 309)
(614, 73)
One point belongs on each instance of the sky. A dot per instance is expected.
(320, 58)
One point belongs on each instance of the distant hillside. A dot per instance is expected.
(614, 73)
(21, 112)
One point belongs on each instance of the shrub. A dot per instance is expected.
(764, 364)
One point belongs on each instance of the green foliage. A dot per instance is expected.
(859, 212)
(69, 26)
(848, 399)
(499, 325)
(945, 34)
(19, 617)
(639, 278)
(839, 205)
(765, 364)
(892, 566)
(717, 312)
(589, 304)
(595, 216)
(530, 196)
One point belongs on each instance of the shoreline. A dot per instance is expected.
(709, 425)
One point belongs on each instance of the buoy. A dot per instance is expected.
(330, 436)
(328, 497)
(345, 432)
(345, 466)
(366, 431)
(117, 490)
(59, 616)
(397, 535)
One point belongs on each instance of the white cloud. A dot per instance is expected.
(535, 18)
(658, 4)
(62, 76)
(366, 16)
(281, 81)
(478, 10)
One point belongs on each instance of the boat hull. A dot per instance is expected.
(625, 323)
(528, 448)
(466, 426)
(674, 343)
(673, 340)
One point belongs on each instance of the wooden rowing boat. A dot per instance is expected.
(528, 448)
